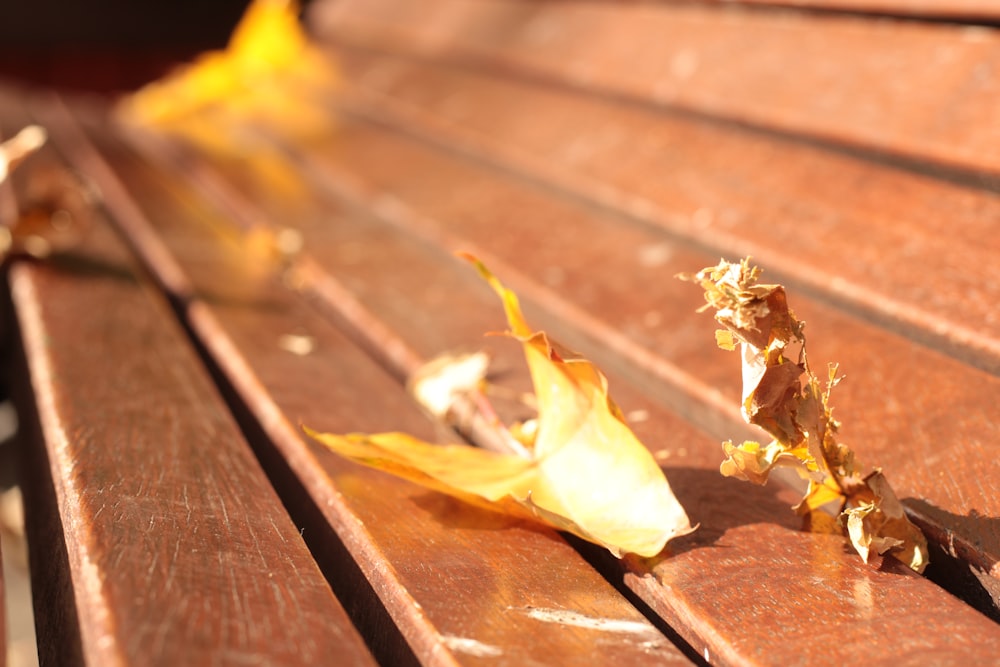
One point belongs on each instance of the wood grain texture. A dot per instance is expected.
(840, 79)
(712, 187)
(417, 187)
(564, 145)
(3, 616)
(595, 276)
(797, 208)
(748, 534)
(588, 152)
(692, 460)
(961, 10)
(177, 550)
(461, 585)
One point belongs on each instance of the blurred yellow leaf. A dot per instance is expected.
(18, 147)
(783, 396)
(268, 78)
(583, 471)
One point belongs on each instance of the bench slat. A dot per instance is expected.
(478, 116)
(726, 190)
(679, 589)
(175, 549)
(3, 615)
(7, 218)
(420, 292)
(461, 584)
(965, 10)
(840, 79)
(652, 321)
(587, 152)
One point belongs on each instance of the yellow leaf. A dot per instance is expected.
(753, 463)
(436, 384)
(268, 79)
(820, 493)
(585, 471)
(725, 339)
(473, 474)
(18, 147)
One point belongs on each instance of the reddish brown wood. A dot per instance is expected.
(963, 10)
(727, 170)
(463, 309)
(6, 215)
(176, 549)
(409, 280)
(461, 585)
(918, 90)
(3, 616)
(591, 239)
(792, 206)
(416, 190)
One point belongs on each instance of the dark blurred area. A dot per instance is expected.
(107, 46)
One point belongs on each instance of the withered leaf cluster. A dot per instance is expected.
(783, 396)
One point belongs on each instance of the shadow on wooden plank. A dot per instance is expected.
(957, 565)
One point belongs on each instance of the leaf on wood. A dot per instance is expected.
(783, 396)
(582, 468)
(50, 210)
(20, 146)
(267, 81)
(440, 382)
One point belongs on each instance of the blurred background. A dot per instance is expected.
(108, 46)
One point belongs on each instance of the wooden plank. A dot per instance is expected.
(463, 586)
(806, 581)
(920, 91)
(596, 265)
(959, 10)
(3, 614)
(553, 128)
(7, 205)
(717, 187)
(155, 536)
(642, 304)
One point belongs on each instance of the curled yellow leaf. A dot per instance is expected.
(583, 470)
(267, 78)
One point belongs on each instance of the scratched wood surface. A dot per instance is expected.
(642, 317)
(648, 320)
(157, 538)
(798, 207)
(534, 136)
(979, 11)
(458, 584)
(848, 80)
(736, 537)
(416, 289)
(3, 616)
(727, 190)
(817, 218)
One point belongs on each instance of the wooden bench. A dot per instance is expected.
(164, 360)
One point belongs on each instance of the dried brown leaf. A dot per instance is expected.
(784, 397)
